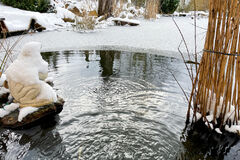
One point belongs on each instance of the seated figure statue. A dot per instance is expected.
(26, 75)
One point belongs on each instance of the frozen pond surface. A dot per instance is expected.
(119, 105)
(159, 36)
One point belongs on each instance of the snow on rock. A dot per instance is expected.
(230, 114)
(126, 20)
(3, 112)
(26, 68)
(64, 13)
(81, 5)
(191, 14)
(218, 130)
(19, 20)
(49, 79)
(23, 112)
(2, 79)
(198, 116)
(209, 118)
(209, 125)
(233, 128)
(3, 91)
(11, 107)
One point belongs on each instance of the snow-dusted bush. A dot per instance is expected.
(127, 10)
(31, 5)
(84, 23)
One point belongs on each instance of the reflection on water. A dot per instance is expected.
(118, 106)
(201, 143)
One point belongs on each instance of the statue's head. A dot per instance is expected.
(31, 57)
(31, 49)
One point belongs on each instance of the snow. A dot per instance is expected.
(87, 5)
(3, 112)
(198, 116)
(49, 79)
(218, 130)
(2, 79)
(209, 118)
(11, 107)
(64, 13)
(230, 115)
(159, 37)
(18, 20)
(26, 68)
(191, 14)
(233, 128)
(23, 112)
(47, 92)
(209, 125)
(3, 91)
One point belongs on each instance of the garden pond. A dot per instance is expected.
(118, 106)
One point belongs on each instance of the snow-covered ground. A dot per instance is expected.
(159, 36)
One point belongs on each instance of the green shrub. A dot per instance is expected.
(168, 6)
(30, 5)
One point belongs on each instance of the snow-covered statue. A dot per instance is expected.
(26, 75)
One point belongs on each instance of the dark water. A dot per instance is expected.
(119, 106)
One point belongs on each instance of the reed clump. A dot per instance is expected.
(216, 88)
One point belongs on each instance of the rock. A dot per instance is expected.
(77, 12)
(11, 120)
(39, 27)
(124, 21)
(68, 20)
(4, 98)
(182, 14)
(66, 6)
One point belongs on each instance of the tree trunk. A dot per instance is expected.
(151, 9)
(105, 8)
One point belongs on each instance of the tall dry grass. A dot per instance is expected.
(118, 7)
(7, 50)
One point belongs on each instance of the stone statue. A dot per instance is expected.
(26, 75)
